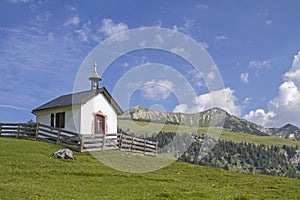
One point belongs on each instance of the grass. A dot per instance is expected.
(145, 127)
(268, 140)
(133, 162)
(28, 172)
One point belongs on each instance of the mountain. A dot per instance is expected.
(241, 125)
(288, 131)
(214, 117)
(202, 119)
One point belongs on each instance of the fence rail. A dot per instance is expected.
(17, 130)
(58, 136)
(137, 145)
(95, 142)
(78, 142)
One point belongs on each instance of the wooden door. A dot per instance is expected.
(99, 124)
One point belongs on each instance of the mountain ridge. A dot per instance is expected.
(215, 117)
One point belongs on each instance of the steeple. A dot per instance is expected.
(95, 78)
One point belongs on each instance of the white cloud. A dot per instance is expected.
(286, 105)
(159, 24)
(125, 64)
(205, 45)
(188, 23)
(196, 77)
(143, 43)
(294, 73)
(110, 28)
(246, 101)
(13, 107)
(157, 90)
(263, 13)
(195, 73)
(259, 116)
(202, 6)
(36, 57)
(269, 22)
(285, 108)
(72, 21)
(175, 28)
(82, 35)
(181, 108)
(259, 64)
(180, 51)
(211, 75)
(9, 29)
(71, 8)
(199, 84)
(160, 38)
(293, 76)
(221, 37)
(244, 77)
(20, 1)
(86, 34)
(224, 99)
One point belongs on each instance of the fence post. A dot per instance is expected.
(120, 141)
(156, 148)
(18, 131)
(37, 130)
(103, 141)
(144, 146)
(58, 135)
(81, 143)
(131, 145)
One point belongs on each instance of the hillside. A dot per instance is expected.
(288, 131)
(202, 119)
(214, 117)
(141, 128)
(241, 146)
(27, 172)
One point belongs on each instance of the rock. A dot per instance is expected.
(295, 160)
(64, 153)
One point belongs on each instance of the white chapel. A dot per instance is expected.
(88, 112)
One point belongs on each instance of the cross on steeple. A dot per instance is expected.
(95, 78)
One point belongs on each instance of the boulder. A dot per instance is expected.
(64, 153)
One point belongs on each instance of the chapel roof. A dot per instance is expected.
(78, 98)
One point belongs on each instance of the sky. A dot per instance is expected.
(254, 45)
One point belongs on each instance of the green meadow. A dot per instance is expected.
(28, 172)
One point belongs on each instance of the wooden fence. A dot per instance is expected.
(137, 145)
(18, 130)
(95, 142)
(68, 139)
(78, 142)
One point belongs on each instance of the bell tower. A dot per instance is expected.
(95, 78)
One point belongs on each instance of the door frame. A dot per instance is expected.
(99, 113)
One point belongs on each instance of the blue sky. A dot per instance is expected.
(254, 45)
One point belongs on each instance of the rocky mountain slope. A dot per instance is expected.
(288, 131)
(215, 117)
(203, 119)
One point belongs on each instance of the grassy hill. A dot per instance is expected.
(27, 172)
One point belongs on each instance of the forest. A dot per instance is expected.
(233, 156)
